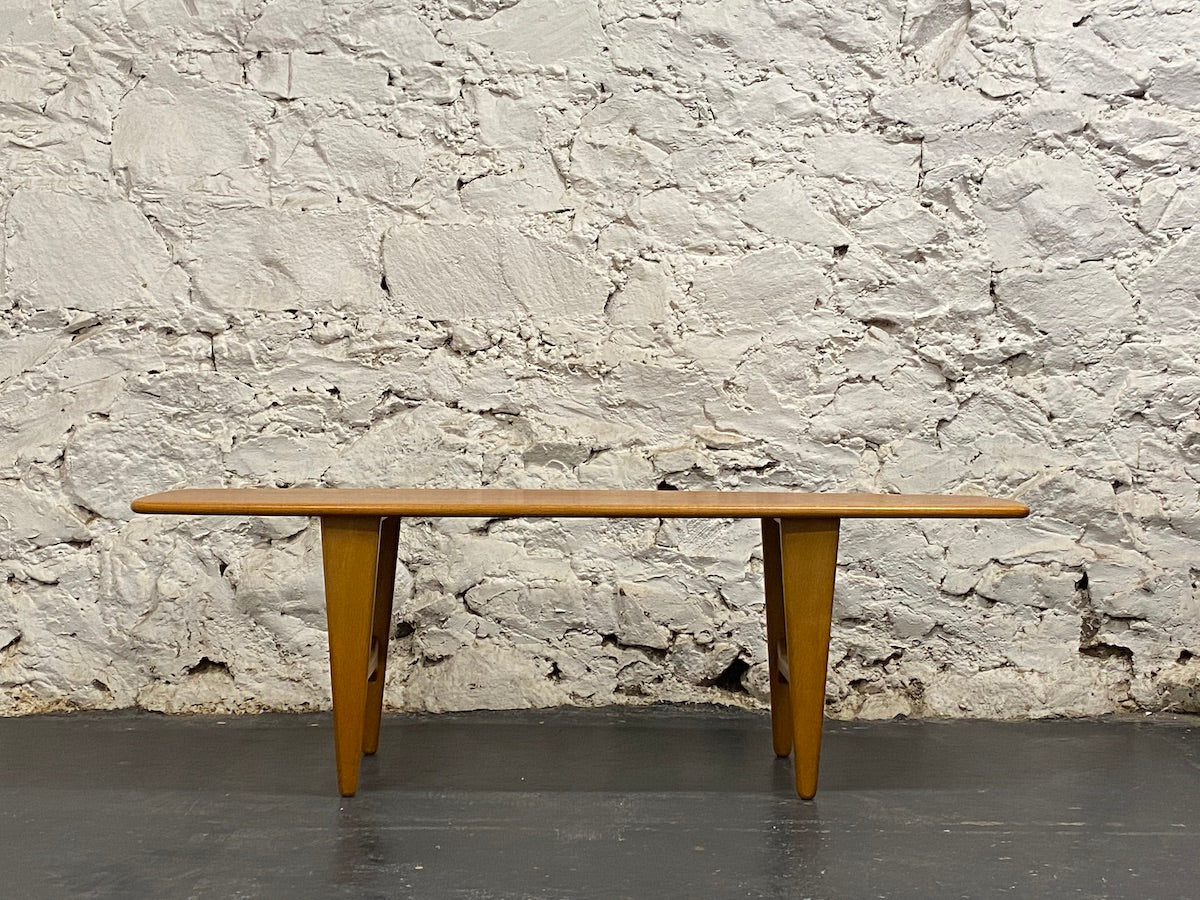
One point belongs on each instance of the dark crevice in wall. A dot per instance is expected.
(1101, 650)
(1092, 621)
(207, 665)
(731, 679)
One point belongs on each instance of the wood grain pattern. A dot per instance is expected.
(350, 554)
(809, 551)
(633, 504)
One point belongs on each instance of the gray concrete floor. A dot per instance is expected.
(649, 802)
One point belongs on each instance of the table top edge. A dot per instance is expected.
(569, 503)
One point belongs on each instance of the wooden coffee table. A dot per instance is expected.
(360, 527)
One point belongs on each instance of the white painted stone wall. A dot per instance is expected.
(941, 245)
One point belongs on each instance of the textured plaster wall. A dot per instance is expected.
(928, 246)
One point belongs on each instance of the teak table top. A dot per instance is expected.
(586, 503)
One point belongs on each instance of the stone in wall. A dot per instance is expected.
(1041, 205)
(782, 210)
(551, 33)
(117, 262)
(465, 271)
(251, 267)
(1169, 286)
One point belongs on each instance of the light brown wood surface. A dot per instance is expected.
(614, 504)
(808, 548)
(350, 555)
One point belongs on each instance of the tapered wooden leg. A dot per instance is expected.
(385, 583)
(809, 562)
(350, 553)
(781, 711)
